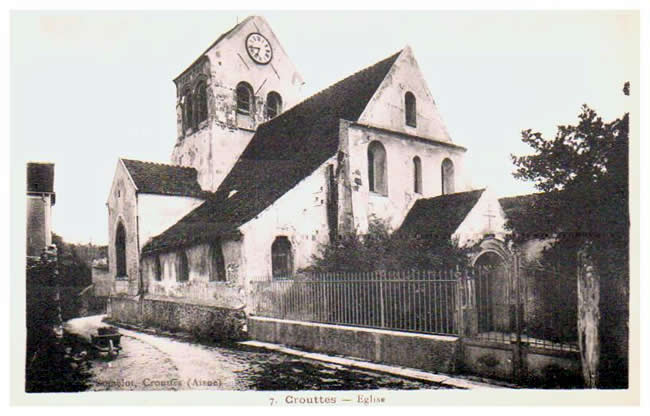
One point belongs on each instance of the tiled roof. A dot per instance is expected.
(282, 152)
(439, 217)
(157, 178)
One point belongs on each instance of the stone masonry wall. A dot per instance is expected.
(123, 208)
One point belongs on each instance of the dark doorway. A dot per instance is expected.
(492, 304)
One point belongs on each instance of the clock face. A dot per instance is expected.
(259, 48)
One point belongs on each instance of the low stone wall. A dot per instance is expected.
(125, 309)
(540, 367)
(428, 352)
(202, 321)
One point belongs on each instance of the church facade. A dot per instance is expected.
(260, 178)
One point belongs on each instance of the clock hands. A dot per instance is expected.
(258, 48)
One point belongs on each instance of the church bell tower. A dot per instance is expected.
(242, 80)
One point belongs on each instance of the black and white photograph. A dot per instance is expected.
(324, 207)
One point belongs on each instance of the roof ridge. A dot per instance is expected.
(216, 41)
(331, 86)
(452, 194)
(357, 73)
(147, 162)
(532, 194)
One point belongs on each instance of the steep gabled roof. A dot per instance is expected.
(157, 178)
(439, 217)
(283, 151)
(219, 39)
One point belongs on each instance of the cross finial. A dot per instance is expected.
(489, 216)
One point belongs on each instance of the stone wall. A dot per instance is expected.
(387, 107)
(198, 288)
(400, 151)
(123, 208)
(102, 281)
(538, 367)
(301, 215)
(422, 351)
(39, 231)
(204, 322)
(156, 213)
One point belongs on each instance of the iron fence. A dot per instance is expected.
(425, 302)
(504, 304)
(522, 304)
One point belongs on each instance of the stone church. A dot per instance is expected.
(261, 177)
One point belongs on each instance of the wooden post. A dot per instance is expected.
(588, 315)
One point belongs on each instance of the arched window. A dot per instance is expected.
(410, 109)
(189, 111)
(201, 104)
(183, 271)
(447, 174)
(281, 258)
(273, 105)
(157, 269)
(377, 168)
(218, 265)
(120, 251)
(244, 98)
(417, 175)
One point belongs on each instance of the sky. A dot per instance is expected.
(89, 87)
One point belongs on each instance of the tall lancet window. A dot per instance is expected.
(120, 251)
(183, 269)
(447, 174)
(377, 178)
(201, 103)
(218, 265)
(417, 175)
(188, 111)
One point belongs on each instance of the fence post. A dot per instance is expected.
(518, 358)
(459, 302)
(382, 316)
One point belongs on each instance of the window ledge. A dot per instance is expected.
(378, 195)
(122, 278)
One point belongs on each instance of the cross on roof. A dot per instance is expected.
(489, 216)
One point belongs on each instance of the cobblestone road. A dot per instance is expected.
(153, 362)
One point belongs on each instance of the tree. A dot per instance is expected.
(73, 270)
(382, 250)
(584, 168)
